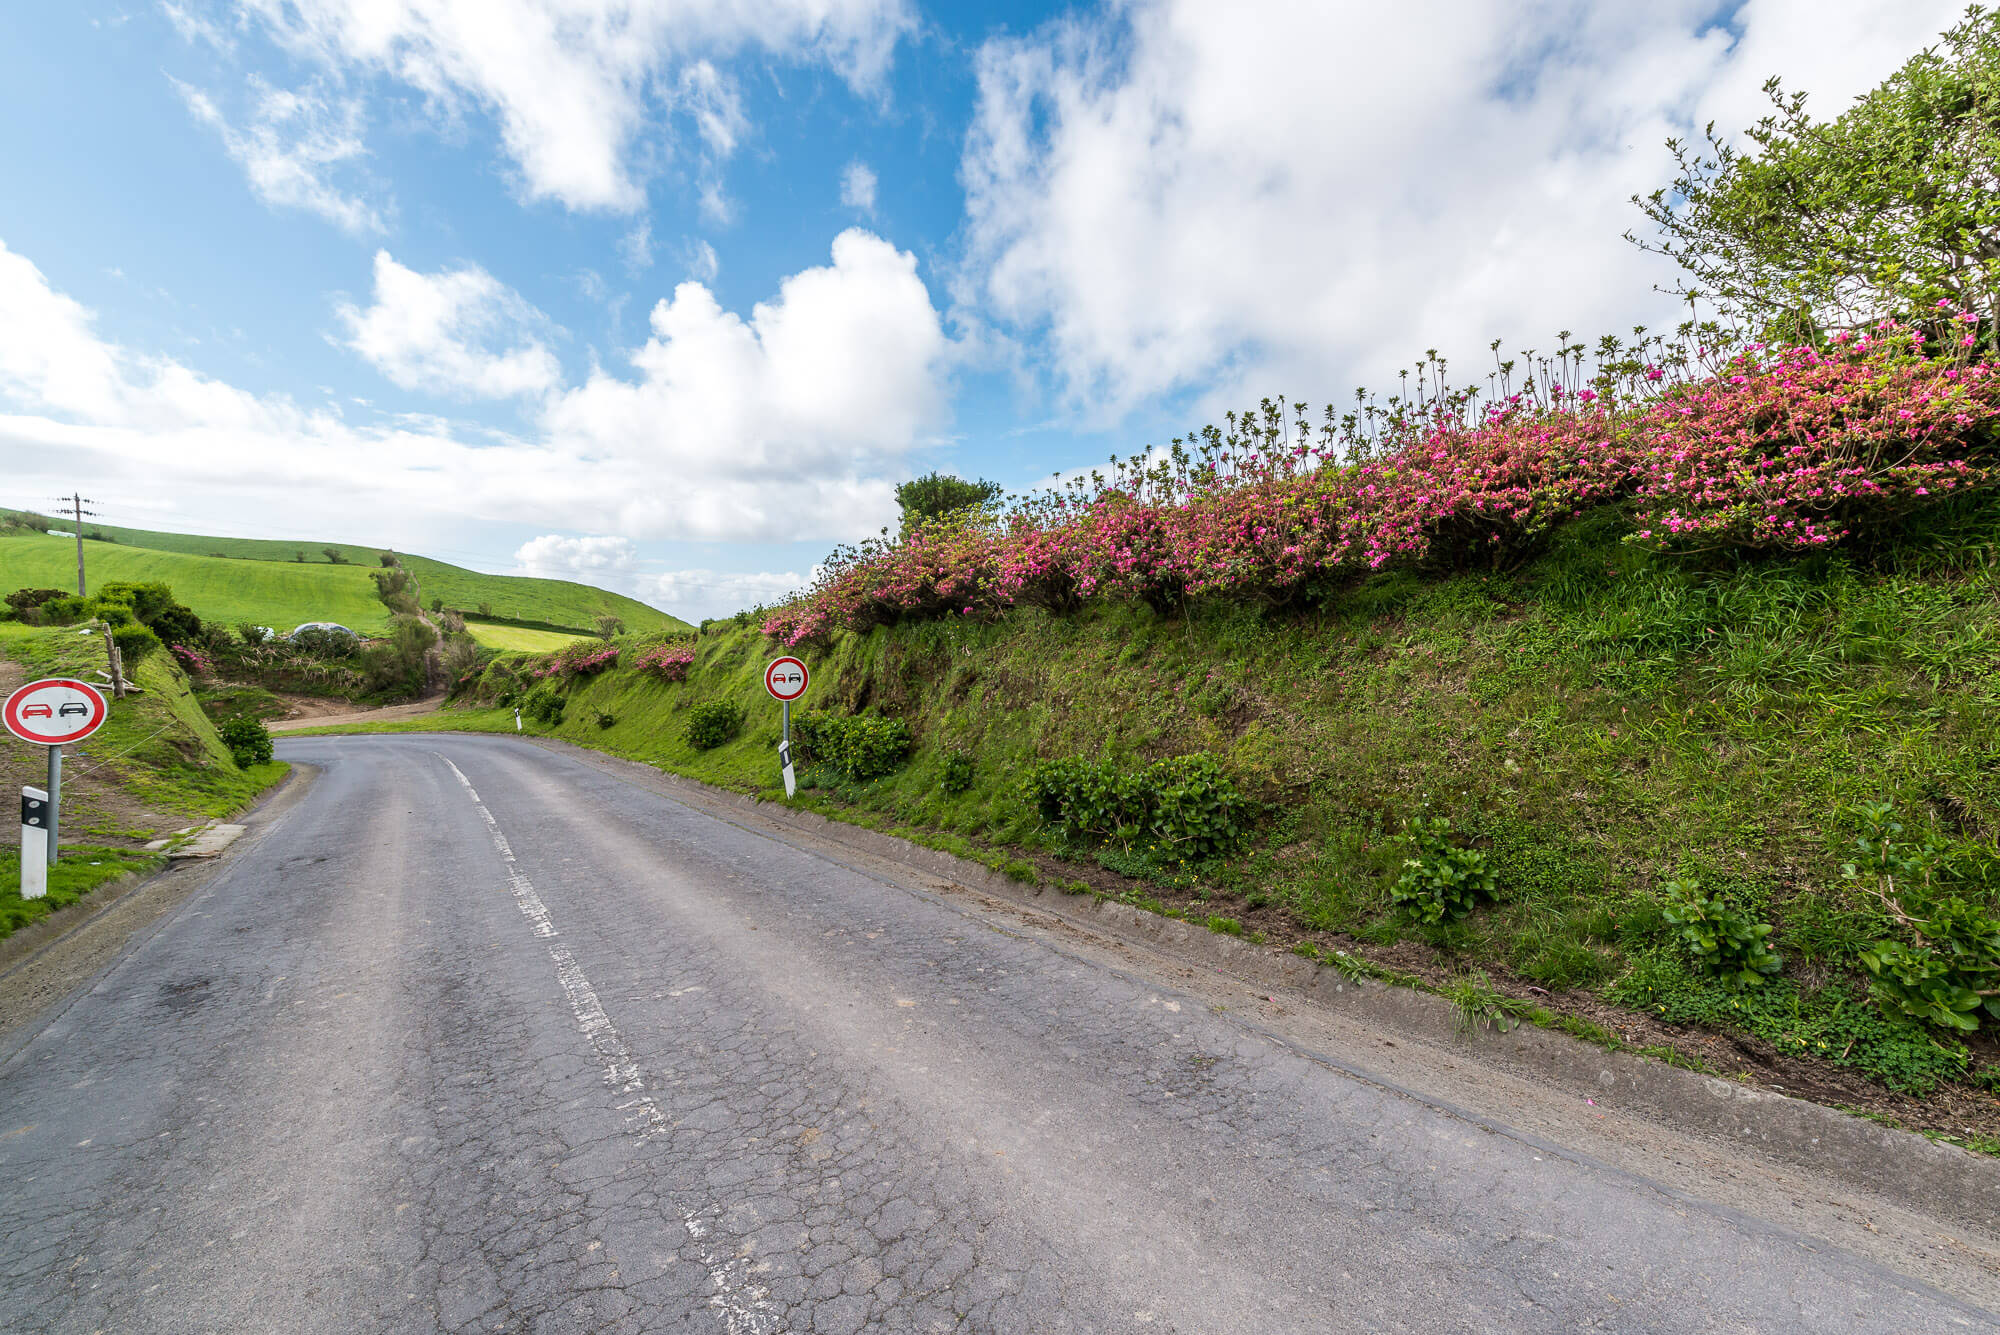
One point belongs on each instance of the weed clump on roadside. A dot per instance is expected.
(1441, 882)
(1725, 939)
(1948, 972)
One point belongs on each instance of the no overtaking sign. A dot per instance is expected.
(785, 679)
(54, 712)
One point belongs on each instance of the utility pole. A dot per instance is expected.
(74, 504)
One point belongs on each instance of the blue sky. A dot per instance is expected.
(668, 296)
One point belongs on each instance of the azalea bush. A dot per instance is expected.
(667, 662)
(192, 660)
(1766, 450)
(583, 658)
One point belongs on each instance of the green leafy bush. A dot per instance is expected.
(1441, 882)
(605, 720)
(710, 725)
(1949, 976)
(1188, 803)
(135, 641)
(1726, 940)
(957, 771)
(249, 742)
(862, 746)
(543, 704)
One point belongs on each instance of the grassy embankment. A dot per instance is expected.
(1600, 721)
(547, 603)
(155, 766)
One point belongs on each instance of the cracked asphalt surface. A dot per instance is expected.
(476, 1037)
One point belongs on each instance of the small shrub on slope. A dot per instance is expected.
(248, 741)
(1948, 972)
(710, 725)
(861, 747)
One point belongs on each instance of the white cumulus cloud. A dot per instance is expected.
(457, 332)
(1173, 196)
(554, 556)
(574, 85)
(790, 424)
(833, 380)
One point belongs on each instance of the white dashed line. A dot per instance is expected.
(745, 1306)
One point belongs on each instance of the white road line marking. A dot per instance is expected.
(745, 1306)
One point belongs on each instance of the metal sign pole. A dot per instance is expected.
(55, 798)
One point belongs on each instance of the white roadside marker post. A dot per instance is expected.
(34, 843)
(517, 718)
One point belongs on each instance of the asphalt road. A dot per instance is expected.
(478, 1037)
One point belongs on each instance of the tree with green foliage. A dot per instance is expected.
(608, 625)
(1886, 210)
(936, 496)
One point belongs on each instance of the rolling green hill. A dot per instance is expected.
(549, 602)
(266, 592)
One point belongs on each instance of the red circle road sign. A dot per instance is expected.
(785, 679)
(55, 711)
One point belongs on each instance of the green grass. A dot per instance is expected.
(158, 749)
(228, 591)
(514, 597)
(1598, 722)
(520, 639)
(82, 869)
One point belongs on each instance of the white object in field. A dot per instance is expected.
(34, 843)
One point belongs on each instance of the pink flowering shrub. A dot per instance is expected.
(668, 662)
(1770, 450)
(583, 658)
(192, 660)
